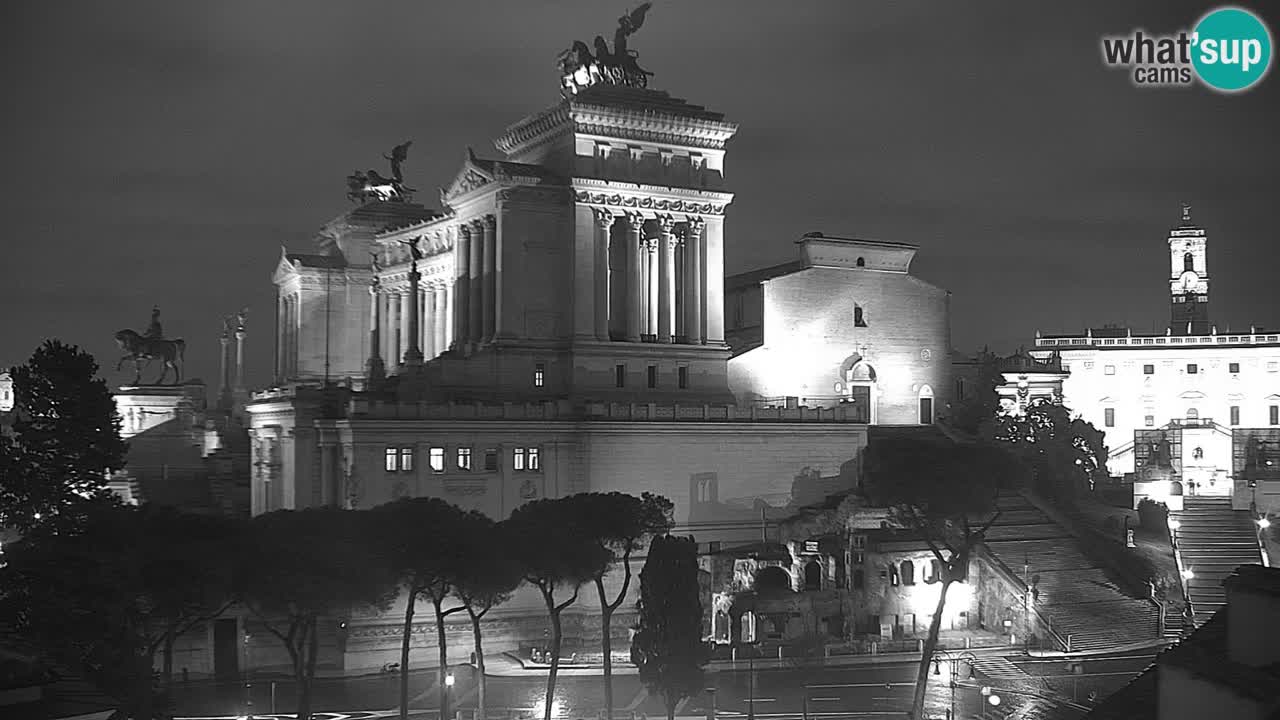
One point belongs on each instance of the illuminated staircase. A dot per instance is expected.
(1213, 540)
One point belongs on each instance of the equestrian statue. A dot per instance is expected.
(151, 346)
(370, 186)
(580, 69)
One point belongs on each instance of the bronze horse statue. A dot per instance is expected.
(138, 348)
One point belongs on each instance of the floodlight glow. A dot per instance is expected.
(1264, 523)
(448, 680)
(1187, 574)
(994, 700)
(1174, 524)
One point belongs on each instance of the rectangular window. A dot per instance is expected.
(392, 460)
(437, 459)
(860, 542)
(406, 459)
(1149, 421)
(1235, 414)
(1109, 370)
(682, 377)
(464, 458)
(859, 558)
(1275, 414)
(653, 376)
(535, 460)
(539, 375)
(517, 459)
(1109, 417)
(490, 460)
(1192, 369)
(1233, 367)
(620, 375)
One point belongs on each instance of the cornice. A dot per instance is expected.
(658, 199)
(533, 129)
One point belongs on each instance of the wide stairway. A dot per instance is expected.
(1213, 540)
(1075, 595)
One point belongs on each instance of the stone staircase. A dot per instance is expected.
(1213, 540)
(1074, 594)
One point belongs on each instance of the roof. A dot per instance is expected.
(758, 551)
(504, 169)
(816, 235)
(755, 277)
(317, 261)
(642, 99)
(385, 214)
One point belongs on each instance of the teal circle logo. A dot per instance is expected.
(1231, 49)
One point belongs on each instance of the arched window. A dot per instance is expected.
(858, 319)
(772, 578)
(935, 572)
(1193, 414)
(908, 572)
(1188, 262)
(862, 262)
(813, 575)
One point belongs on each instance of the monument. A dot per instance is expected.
(370, 186)
(151, 346)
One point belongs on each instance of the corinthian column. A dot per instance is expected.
(475, 317)
(635, 277)
(651, 283)
(374, 368)
(489, 303)
(604, 221)
(693, 302)
(439, 319)
(462, 288)
(666, 279)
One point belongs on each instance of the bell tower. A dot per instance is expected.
(1188, 278)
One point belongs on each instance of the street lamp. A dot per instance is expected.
(448, 688)
(1187, 574)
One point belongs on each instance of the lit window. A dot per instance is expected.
(1235, 414)
(535, 460)
(859, 558)
(653, 376)
(517, 459)
(464, 458)
(682, 377)
(620, 375)
(1149, 421)
(539, 372)
(490, 460)
(860, 541)
(437, 459)
(1275, 414)
(1109, 417)
(1233, 367)
(893, 575)
(1109, 370)
(1192, 369)
(391, 459)
(1148, 369)
(406, 459)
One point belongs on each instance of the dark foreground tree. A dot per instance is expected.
(555, 550)
(620, 523)
(423, 539)
(108, 592)
(493, 574)
(66, 439)
(667, 647)
(975, 412)
(304, 567)
(1065, 456)
(945, 493)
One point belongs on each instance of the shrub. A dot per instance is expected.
(1153, 515)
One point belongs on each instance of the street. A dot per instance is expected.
(1034, 688)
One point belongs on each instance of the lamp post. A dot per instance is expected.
(448, 688)
(751, 681)
(248, 684)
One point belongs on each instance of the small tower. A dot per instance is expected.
(1188, 278)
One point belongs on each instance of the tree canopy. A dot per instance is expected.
(1065, 455)
(667, 647)
(66, 438)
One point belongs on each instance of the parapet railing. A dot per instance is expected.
(1184, 340)
(1044, 621)
(599, 411)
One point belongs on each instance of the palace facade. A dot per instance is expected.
(1192, 410)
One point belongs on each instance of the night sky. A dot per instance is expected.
(161, 153)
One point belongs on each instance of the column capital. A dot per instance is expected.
(489, 222)
(636, 221)
(666, 223)
(694, 224)
(464, 229)
(604, 217)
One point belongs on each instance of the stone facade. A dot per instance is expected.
(848, 324)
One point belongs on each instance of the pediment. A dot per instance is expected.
(1192, 395)
(1273, 396)
(469, 177)
(284, 267)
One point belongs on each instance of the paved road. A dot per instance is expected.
(1029, 689)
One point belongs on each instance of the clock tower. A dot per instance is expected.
(1188, 278)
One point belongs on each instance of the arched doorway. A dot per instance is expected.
(858, 382)
(925, 397)
(772, 578)
(813, 575)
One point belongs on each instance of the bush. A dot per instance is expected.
(1153, 515)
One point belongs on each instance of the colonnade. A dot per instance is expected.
(434, 326)
(654, 288)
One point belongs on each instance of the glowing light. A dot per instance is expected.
(924, 600)
(994, 700)
(1264, 523)
(1187, 574)
(448, 680)
(539, 708)
(1174, 524)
